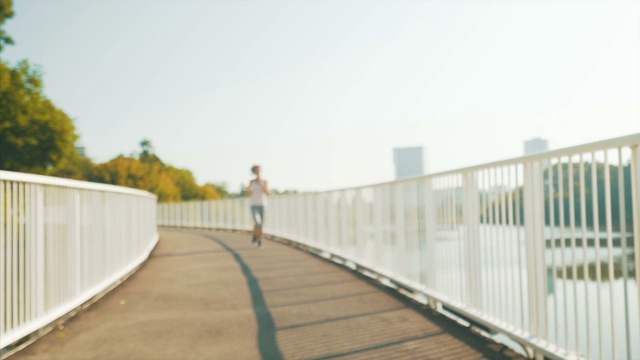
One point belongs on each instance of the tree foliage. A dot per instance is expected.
(594, 206)
(75, 167)
(209, 191)
(130, 172)
(6, 12)
(594, 209)
(35, 136)
(148, 172)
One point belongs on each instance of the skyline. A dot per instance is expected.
(319, 94)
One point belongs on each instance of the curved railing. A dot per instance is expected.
(62, 242)
(527, 247)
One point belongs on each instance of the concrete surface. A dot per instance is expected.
(212, 295)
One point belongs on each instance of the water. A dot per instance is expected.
(573, 302)
(582, 313)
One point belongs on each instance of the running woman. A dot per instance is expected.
(258, 190)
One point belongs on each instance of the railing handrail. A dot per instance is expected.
(443, 235)
(568, 151)
(77, 184)
(64, 242)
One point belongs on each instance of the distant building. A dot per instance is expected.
(80, 150)
(536, 146)
(409, 162)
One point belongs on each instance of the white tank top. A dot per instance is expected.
(258, 197)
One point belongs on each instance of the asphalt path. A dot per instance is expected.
(213, 295)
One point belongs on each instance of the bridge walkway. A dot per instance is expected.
(212, 295)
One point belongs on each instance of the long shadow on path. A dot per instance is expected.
(267, 343)
(316, 309)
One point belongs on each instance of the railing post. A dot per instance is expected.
(235, 221)
(204, 222)
(193, 211)
(308, 208)
(165, 214)
(228, 224)
(342, 203)
(430, 234)
(175, 217)
(360, 233)
(471, 214)
(378, 239)
(300, 220)
(534, 228)
(321, 222)
(214, 213)
(635, 189)
(40, 251)
(77, 242)
(3, 261)
(400, 253)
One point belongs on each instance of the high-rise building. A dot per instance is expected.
(409, 162)
(81, 151)
(536, 146)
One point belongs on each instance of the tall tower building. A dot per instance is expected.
(536, 146)
(81, 151)
(409, 162)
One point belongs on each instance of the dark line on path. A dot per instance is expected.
(311, 286)
(326, 299)
(299, 275)
(263, 267)
(267, 260)
(318, 322)
(190, 253)
(380, 346)
(267, 342)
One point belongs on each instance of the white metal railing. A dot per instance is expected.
(528, 247)
(63, 242)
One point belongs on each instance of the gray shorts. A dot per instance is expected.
(257, 211)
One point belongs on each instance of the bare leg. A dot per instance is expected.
(256, 233)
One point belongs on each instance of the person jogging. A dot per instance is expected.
(258, 190)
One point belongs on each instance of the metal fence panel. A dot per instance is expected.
(64, 241)
(542, 248)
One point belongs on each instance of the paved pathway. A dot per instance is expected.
(212, 295)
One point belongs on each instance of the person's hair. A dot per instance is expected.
(254, 168)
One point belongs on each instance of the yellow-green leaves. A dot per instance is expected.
(6, 12)
(34, 134)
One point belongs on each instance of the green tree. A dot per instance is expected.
(130, 172)
(209, 192)
(146, 171)
(222, 189)
(34, 134)
(6, 12)
(74, 167)
(185, 181)
(147, 154)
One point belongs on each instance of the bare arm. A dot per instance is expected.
(250, 188)
(265, 187)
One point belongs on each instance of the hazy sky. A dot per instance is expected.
(320, 92)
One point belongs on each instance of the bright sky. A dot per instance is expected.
(320, 93)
